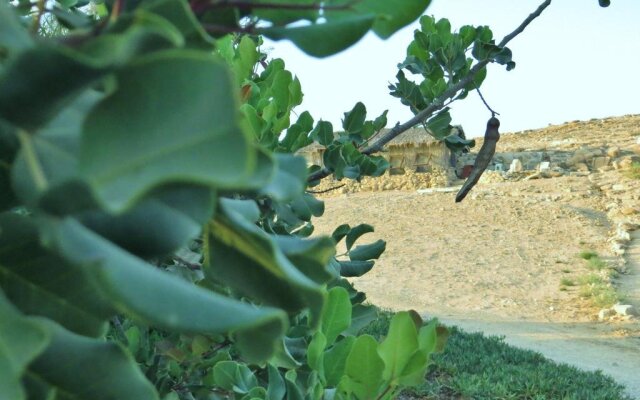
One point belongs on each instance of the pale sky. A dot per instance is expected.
(576, 61)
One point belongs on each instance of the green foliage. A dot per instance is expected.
(149, 195)
(588, 255)
(474, 366)
(438, 57)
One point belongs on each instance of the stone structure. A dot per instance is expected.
(413, 151)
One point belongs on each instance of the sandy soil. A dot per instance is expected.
(494, 263)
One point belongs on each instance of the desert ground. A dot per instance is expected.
(495, 262)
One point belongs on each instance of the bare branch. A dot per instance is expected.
(438, 103)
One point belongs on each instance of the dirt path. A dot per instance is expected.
(494, 263)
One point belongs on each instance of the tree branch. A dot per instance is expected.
(438, 103)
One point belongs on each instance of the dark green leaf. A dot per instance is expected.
(340, 232)
(323, 133)
(361, 316)
(289, 180)
(355, 233)
(368, 251)
(350, 269)
(276, 389)
(21, 340)
(40, 282)
(89, 369)
(322, 40)
(353, 120)
(13, 36)
(167, 301)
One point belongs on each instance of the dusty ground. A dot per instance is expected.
(495, 261)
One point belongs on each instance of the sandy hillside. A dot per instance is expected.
(500, 255)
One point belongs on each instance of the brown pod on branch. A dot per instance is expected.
(488, 149)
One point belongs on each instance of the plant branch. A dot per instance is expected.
(326, 190)
(438, 103)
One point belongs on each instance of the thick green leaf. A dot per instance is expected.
(294, 391)
(276, 389)
(322, 40)
(440, 124)
(323, 133)
(356, 232)
(31, 95)
(399, 346)
(167, 301)
(350, 269)
(124, 158)
(353, 120)
(45, 170)
(315, 352)
(415, 370)
(340, 232)
(89, 369)
(289, 180)
(336, 316)
(335, 360)
(231, 375)
(390, 15)
(364, 368)
(180, 14)
(21, 340)
(361, 316)
(248, 259)
(368, 251)
(13, 36)
(158, 225)
(310, 256)
(40, 282)
(284, 16)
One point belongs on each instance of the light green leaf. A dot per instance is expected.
(335, 360)
(21, 340)
(231, 375)
(180, 14)
(124, 158)
(364, 368)
(399, 346)
(336, 316)
(315, 352)
(89, 369)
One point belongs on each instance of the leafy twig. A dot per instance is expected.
(438, 103)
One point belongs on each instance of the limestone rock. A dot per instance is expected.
(613, 152)
(516, 166)
(625, 309)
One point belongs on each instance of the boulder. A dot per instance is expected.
(516, 166)
(625, 309)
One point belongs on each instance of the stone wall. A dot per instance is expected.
(409, 180)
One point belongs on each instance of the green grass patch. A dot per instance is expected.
(596, 264)
(634, 171)
(567, 282)
(474, 366)
(596, 288)
(587, 255)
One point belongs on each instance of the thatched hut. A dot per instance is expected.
(414, 150)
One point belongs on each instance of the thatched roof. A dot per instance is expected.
(417, 135)
(413, 136)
